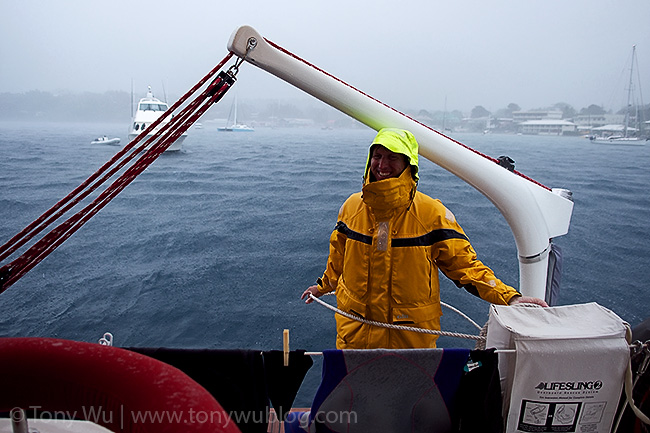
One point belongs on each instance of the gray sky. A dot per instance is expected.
(408, 53)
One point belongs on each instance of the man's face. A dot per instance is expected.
(385, 164)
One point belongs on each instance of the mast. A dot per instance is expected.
(629, 93)
(444, 117)
(234, 118)
(131, 98)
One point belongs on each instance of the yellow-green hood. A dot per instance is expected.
(398, 141)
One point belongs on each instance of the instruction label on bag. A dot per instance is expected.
(557, 394)
(542, 416)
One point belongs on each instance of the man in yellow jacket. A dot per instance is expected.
(386, 249)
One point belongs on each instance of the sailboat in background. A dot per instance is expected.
(625, 134)
(231, 123)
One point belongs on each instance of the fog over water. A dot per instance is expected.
(407, 54)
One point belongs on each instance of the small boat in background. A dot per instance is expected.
(105, 140)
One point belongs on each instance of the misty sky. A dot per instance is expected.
(408, 54)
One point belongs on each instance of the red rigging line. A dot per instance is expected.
(148, 152)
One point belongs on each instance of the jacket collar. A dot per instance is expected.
(389, 195)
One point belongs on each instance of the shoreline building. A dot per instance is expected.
(548, 127)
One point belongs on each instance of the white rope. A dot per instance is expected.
(629, 384)
(630, 399)
(463, 315)
(398, 327)
(106, 340)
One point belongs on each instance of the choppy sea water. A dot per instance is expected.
(211, 246)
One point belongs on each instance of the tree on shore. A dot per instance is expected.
(593, 110)
(478, 112)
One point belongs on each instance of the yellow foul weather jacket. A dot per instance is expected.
(385, 252)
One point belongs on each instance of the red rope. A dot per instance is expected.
(149, 150)
(289, 53)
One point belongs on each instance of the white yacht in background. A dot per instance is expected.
(150, 109)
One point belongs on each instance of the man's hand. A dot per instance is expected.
(311, 290)
(527, 300)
